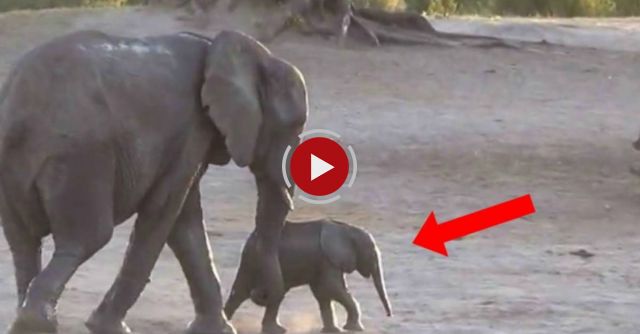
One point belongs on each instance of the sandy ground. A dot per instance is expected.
(451, 130)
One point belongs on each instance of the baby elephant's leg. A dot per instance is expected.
(240, 291)
(233, 303)
(270, 323)
(322, 295)
(354, 323)
(340, 293)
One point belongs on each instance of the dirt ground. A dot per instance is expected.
(446, 129)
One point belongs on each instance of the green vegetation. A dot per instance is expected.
(566, 8)
(6, 5)
(562, 8)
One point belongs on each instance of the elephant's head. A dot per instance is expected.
(350, 248)
(258, 102)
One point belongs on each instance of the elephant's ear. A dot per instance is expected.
(366, 250)
(231, 94)
(337, 246)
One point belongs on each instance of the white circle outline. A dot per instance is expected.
(354, 169)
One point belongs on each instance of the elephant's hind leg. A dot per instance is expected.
(189, 242)
(322, 294)
(156, 219)
(270, 322)
(78, 204)
(339, 292)
(145, 244)
(144, 248)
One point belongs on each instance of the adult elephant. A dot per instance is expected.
(96, 128)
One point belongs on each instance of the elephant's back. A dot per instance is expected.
(39, 109)
(51, 92)
(89, 91)
(89, 86)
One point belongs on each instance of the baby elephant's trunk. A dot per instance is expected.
(378, 280)
(369, 263)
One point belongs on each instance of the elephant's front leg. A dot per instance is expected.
(190, 244)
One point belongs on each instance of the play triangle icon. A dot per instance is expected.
(319, 167)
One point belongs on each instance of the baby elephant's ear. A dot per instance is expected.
(337, 246)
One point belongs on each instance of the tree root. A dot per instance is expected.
(412, 28)
(375, 27)
(378, 27)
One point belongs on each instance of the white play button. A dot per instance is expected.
(318, 167)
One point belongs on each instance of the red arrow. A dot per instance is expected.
(433, 236)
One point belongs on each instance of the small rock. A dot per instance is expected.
(582, 253)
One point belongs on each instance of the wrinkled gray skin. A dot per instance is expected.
(315, 253)
(308, 10)
(95, 128)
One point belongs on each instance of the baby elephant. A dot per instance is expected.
(317, 253)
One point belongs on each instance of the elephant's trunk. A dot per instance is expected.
(271, 212)
(378, 280)
(636, 144)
